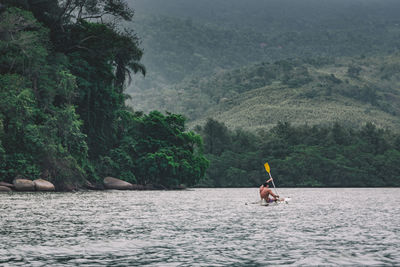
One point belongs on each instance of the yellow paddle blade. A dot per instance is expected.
(267, 167)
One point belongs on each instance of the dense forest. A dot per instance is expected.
(64, 66)
(352, 91)
(256, 63)
(303, 156)
(310, 86)
(182, 39)
(315, 67)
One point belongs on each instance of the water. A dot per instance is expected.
(201, 227)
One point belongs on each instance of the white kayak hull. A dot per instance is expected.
(285, 200)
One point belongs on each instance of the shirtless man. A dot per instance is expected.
(265, 191)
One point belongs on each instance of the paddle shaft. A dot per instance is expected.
(273, 183)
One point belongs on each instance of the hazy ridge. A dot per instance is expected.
(314, 92)
(213, 58)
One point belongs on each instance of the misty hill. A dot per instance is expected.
(199, 38)
(319, 91)
(204, 59)
(267, 14)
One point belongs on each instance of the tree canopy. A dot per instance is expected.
(302, 156)
(64, 67)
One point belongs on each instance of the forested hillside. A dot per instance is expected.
(64, 66)
(186, 38)
(311, 86)
(302, 156)
(352, 91)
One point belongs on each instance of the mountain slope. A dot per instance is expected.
(316, 91)
(204, 60)
(187, 38)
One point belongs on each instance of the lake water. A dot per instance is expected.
(201, 227)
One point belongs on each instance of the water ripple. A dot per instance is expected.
(202, 227)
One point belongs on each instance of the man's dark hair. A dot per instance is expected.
(265, 184)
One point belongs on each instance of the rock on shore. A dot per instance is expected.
(23, 185)
(11, 186)
(114, 183)
(43, 185)
(5, 189)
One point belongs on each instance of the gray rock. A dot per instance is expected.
(114, 183)
(5, 189)
(6, 184)
(23, 185)
(43, 185)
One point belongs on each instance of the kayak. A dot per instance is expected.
(284, 200)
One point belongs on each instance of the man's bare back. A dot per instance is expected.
(265, 192)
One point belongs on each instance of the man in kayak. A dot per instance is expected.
(265, 192)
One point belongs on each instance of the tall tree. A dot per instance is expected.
(216, 137)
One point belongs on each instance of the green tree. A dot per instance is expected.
(373, 139)
(156, 150)
(38, 137)
(305, 156)
(216, 137)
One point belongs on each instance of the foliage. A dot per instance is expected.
(251, 64)
(65, 65)
(314, 91)
(305, 156)
(156, 150)
(184, 39)
(62, 113)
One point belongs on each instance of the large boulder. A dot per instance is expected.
(114, 183)
(5, 189)
(6, 185)
(23, 185)
(43, 185)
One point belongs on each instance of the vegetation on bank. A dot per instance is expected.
(303, 156)
(64, 66)
(251, 64)
(328, 68)
(314, 91)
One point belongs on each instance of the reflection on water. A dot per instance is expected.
(200, 227)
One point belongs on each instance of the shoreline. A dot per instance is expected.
(109, 183)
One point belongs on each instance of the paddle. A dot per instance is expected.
(268, 169)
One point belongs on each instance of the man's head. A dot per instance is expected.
(265, 185)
